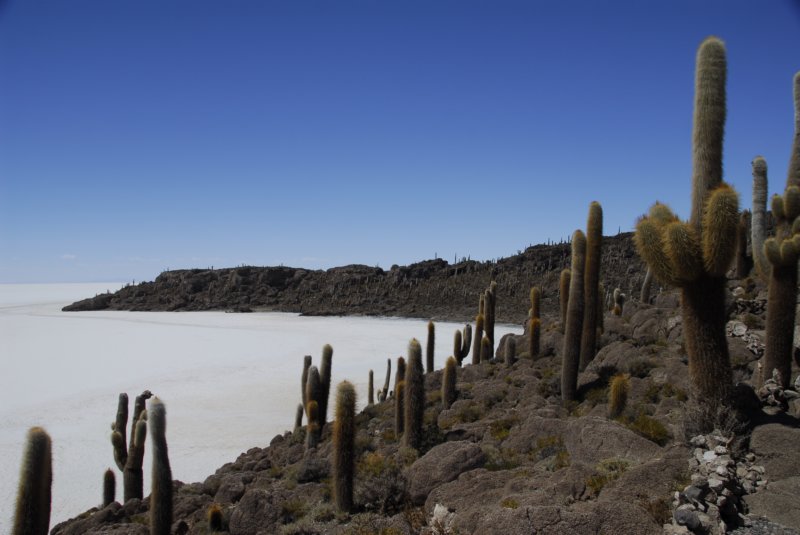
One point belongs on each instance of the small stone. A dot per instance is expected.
(694, 493)
(751, 456)
(699, 440)
(715, 484)
(721, 501)
(721, 470)
(721, 450)
(688, 518)
(705, 521)
(741, 471)
(709, 456)
(759, 469)
(699, 481)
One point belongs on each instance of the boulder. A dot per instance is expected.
(440, 465)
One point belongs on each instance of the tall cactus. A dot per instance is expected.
(591, 280)
(399, 408)
(461, 343)
(32, 516)
(161, 477)
(385, 390)
(572, 331)
(400, 374)
(782, 253)
(563, 295)
(325, 383)
(742, 260)
(476, 340)
(758, 225)
(344, 436)
(695, 255)
(132, 475)
(793, 177)
(429, 347)
(370, 390)
(130, 455)
(490, 310)
(535, 323)
(486, 349)
(449, 383)
(304, 379)
(313, 420)
(109, 487)
(414, 397)
(536, 302)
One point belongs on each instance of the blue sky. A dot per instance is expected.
(140, 136)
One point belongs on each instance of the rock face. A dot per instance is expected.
(428, 289)
(442, 464)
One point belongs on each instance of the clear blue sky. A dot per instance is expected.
(142, 135)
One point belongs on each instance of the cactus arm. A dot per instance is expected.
(720, 220)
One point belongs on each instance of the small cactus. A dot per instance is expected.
(312, 425)
(414, 397)
(298, 417)
(563, 295)
(161, 477)
(370, 390)
(572, 331)
(344, 436)
(449, 383)
(214, 517)
(618, 394)
(325, 384)
(486, 349)
(109, 487)
(534, 337)
(619, 302)
(399, 408)
(429, 347)
(32, 516)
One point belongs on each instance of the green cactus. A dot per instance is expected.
(563, 295)
(414, 397)
(477, 339)
(591, 281)
(742, 259)
(32, 516)
(161, 477)
(129, 456)
(399, 407)
(782, 253)
(536, 303)
(449, 383)
(487, 351)
(572, 331)
(325, 384)
(695, 255)
(312, 424)
(461, 343)
(510, 351)
(758, 226)
(109, 487)
(400, 374)
(534, 337)
(304, 379)
(370, 390)
(429, 347)
(344, 436)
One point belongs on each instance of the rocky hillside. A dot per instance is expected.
(507, 457)
(429, 289)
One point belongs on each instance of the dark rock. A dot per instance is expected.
(688, 518)
(440, 465)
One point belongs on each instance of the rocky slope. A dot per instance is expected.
(429, 289)
(508, 458)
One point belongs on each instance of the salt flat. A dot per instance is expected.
(229, 381)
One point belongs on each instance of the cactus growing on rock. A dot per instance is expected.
(618, 394)
(563, 296)
(461, 343)
(312, 424)
(696, 255)
(414, 408)
(449, 383)
(476, 344)
(486, 349)
(304, 379)
(572, 331)
(214, 516)
(344, 436)
(534, 337)
(429, 347)
(161, 477)
(32, 515)
(109, 487)
(130, 455)
(591, 281)
(619, 301)
(325, 384)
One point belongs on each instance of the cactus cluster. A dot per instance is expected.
(315, 383)
(461, 343)
(695, 255)
(129, 455)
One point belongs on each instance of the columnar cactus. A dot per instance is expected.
(476, 344)
(129, 456)
(400, 374)
(449, 383)
(572, 331)
(782, 253)
(563, 295)
(758, 226)
(591, 281)
(490, 310)
(510, 351)
(344, 436)
(32, 516)
(370, 390)
(534, 337)
(109, 487)
(298, 417)
(644, 297)
(304, 379)
(742, 260)
(399, 408)
(793, 177)
(414, 396)
(536, 303)
(430, 347)
(325, 383)
(461, 343)
(695, 255)
(487, 350)
(313, 395)
(619, 302)
(161, 477)
(618, 394)
(385, 390)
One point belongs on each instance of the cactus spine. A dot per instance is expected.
(510, 351)
(325, 384)
(109, 487)
(32, 516)
(429, 347)
(563, 295)
(591, 280)
(344, 435)
(370, 390)
(618, 394)
(572, 331)
(696, 255)
(476, 344)
(161, 490)
(449, 383)
(414, 397)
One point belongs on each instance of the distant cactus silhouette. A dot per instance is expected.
(572, 331)
(449, 383)
(109, 487)
(325, 384)
(370, 390)
(695, 255)
(161, 492)
(32, 516)
(563, 295)
(758, 225)
(461, 343)
(429, 347)
(591, 281)
(344, 435)
(414, 396)
(304, 379)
